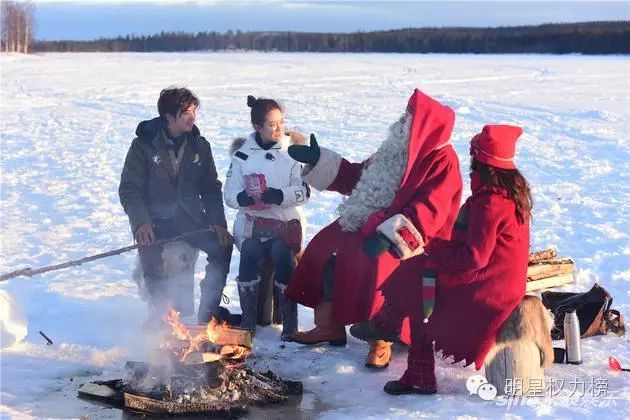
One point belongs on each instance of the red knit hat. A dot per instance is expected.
(495, 145)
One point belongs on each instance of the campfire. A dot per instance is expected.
(205, 344)
(197, 369)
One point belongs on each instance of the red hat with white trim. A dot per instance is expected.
(496, 145)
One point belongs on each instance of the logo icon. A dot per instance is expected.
(474, 382)
(479, 385)
(487, 392)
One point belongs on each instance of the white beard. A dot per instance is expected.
(379, 181)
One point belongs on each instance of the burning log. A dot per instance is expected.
(207, 340)
(149, 405)
(238, 389)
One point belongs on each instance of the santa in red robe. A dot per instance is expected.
(399, 200)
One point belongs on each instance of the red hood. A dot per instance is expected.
(431, 128)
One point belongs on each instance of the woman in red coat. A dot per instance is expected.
(477, 277)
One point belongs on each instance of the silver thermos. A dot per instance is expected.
(572, 338)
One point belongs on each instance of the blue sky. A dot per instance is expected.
(58, 19)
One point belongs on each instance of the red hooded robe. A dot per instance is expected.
(429, 196)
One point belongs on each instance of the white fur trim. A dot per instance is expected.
(391, 227)
(324, 172)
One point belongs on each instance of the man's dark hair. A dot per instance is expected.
(174, 100)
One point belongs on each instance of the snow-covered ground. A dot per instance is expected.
(68, 119)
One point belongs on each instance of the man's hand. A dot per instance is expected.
(244, 200)
(306, 154)
(225, 239)
(144, 234)
(272, 196)
(376, 245)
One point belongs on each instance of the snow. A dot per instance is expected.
(68, 119)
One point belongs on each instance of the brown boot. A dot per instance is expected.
(325, 329)
(379, 355)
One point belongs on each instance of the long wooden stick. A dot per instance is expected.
(30, 272)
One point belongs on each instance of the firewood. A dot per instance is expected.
(549, 282)
(549, 269)
(92, 389)
(545, 254)
(149, 405)
(224, 336)
(236, 389)
(234, 336)
(197, 357)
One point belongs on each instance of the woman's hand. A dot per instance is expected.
(272, 196)
(244, 200)
(306, 154)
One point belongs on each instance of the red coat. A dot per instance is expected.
(429, 196)
(481, 277)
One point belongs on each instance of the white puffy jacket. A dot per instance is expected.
(281, 172)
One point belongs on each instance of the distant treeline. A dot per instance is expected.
(585, 38)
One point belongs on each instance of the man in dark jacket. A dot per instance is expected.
(169, 186)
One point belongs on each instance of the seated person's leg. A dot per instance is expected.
(217, 270)
(155, 283)
(249, 270)
(282, 259)
(326, 330)
(328, 278)
(419, 378)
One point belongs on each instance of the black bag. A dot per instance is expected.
(592, 308)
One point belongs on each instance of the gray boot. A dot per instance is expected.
(248, 295)
(288, 310)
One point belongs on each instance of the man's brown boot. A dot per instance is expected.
(379, 355)
(325, 329)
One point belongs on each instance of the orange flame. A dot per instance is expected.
(178, 329)
(195, 337)
(214, 329)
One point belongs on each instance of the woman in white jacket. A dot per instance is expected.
(264, 183)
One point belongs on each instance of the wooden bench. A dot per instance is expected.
(516, 363)
(268, 303)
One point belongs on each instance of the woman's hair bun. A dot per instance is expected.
(251, 101)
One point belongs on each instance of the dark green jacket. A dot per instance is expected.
(150, 188)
